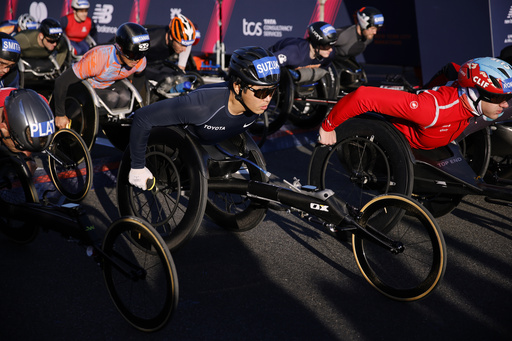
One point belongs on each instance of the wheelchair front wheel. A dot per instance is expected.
(176, 206)
(418, 262)
(70, 164)
(140, 274)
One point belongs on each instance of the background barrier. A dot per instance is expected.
(421, 34)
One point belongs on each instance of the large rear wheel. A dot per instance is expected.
(140, 274)
(416, 262)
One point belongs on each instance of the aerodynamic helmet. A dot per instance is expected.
(132, 40)
(80, 4)
(182, 30)
(10, 49)
(370, 16)
(27, 22)
(321, 33)
(492, 77)
(30, 120)
(51, 29)
(254, 66)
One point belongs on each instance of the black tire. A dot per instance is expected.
(236, 212)
(82, 112)
(176, 206)
(278, 109)
(417, 264)
(370, 159)
(140, 274)
(16, 186)
(70, 164)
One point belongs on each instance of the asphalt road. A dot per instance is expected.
(284, 280)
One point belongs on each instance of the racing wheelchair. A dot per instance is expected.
(39, 72)
(88, 113)
(396, 242)
(301, 100)
(137, 267)
(372, 157)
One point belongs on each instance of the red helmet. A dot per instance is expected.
(492, 78)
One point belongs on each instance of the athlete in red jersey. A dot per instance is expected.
(432, 118)
(77, 26)
(104, 66)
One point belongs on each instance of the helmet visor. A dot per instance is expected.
(494, 98)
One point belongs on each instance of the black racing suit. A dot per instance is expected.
(203, 112)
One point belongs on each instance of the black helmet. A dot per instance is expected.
(30, 120)
(254, 66)
(321, 33)
(132, 40)
(51, 29)
(370, 16)
(10, 49)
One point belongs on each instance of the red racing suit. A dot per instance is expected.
(430, 119)
(77, 31)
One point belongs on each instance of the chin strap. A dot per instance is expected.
(238, 97)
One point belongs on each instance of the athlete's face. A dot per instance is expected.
(80, 14)
(178, 47)
(5, 66)
(493, 110)
(257, 98)
(370, 32)
(127, 61)
(48, 43)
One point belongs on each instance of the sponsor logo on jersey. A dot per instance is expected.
(414, 105)
(206, 126)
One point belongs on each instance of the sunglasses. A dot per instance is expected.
(51, 41)
(324, 47)
(263, 93)
(133, 59)
(496, 99)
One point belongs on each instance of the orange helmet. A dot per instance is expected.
(182, 30)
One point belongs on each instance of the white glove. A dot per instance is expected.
(139, 177)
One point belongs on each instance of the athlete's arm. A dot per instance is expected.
(401, 104)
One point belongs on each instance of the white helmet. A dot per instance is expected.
(80, 4)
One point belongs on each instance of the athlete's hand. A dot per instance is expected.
(326, 137)
(61, 122)
(139, 177)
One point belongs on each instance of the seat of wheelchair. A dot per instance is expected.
(39, 65)
(445, 164)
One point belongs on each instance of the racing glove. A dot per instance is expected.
(139, 177)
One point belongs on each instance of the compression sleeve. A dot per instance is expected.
(62, 83)
(183, 57)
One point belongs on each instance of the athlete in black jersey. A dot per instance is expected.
(212, 113)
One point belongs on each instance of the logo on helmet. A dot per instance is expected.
(507, 85)
(378, 19)
(266, 66)
(42, 129)
(55, 30)
(10, 46)
(328, 29)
